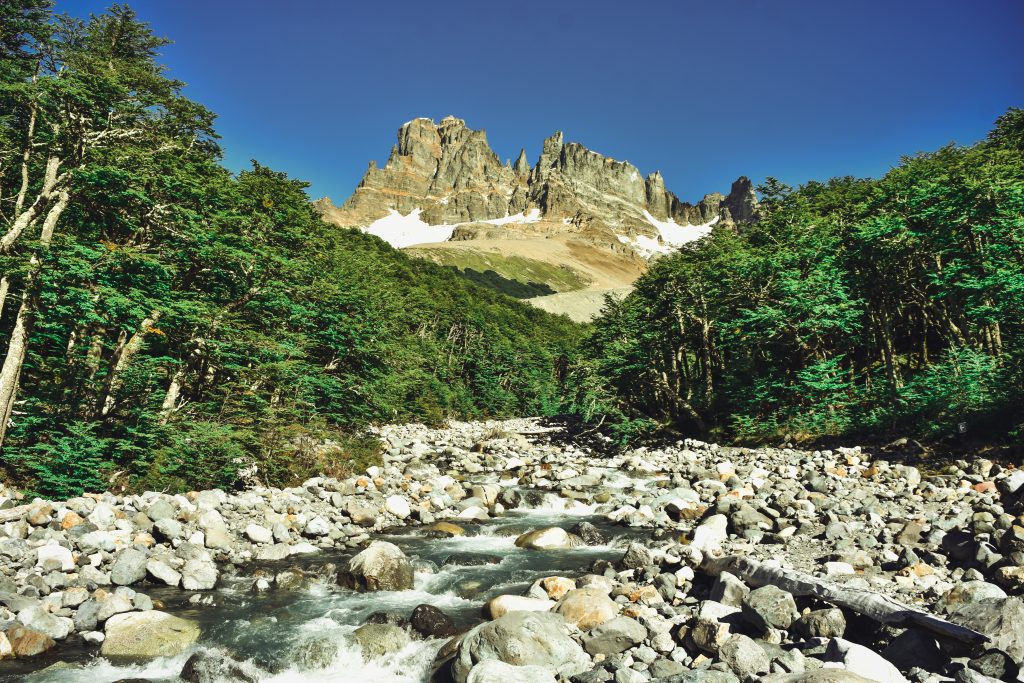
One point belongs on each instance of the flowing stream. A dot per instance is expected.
(283, 631)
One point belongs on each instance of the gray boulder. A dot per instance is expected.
(215, 666)
(521, 639)
(744, 656)
(998, 618)
(148, 634)
(496, 671)
(380, 567)
(377, 640)
(614, 636)
(769, 607)
(129, 567)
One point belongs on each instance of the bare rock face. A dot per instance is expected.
(449, 173)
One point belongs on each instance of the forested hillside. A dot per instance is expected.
(168, 323)
(853, 306)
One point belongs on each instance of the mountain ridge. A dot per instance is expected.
(449, 174)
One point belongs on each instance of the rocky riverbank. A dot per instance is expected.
(615, 580)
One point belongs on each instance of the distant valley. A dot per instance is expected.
(561, 233)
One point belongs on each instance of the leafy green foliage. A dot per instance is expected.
(851, 306)
(190, 324)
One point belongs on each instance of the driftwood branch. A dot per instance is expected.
(14, 513)
(874, 605)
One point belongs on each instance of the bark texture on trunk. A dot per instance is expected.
(122, 358)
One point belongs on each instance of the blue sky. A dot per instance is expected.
(702, 90)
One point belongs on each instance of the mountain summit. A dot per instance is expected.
(595, 219)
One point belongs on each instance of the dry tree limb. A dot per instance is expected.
(874, 605)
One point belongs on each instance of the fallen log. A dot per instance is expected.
(879, 607)
(11, 514)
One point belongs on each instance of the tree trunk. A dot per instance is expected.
(26, 156)
(122, 358)
(860, 600)
(170, 403)
(16, 350)
(5, 285)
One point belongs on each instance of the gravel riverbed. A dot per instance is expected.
(495, 552)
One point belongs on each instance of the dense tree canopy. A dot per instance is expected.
(169, 322)
(166, 323)
(850, 306)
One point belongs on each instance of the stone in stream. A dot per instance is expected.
(521, 639)
(637, 556)
(444, 529)
(148, 634)
(431, 622)
(589, 533)
(26, 642)
(382, 566)
(552, 538)
(216, 666)
(377, 640)
(198, 575)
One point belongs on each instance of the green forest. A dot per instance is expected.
(166, 323)
(851, 307)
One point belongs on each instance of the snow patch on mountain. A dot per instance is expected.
(676, 235)
(404, 231)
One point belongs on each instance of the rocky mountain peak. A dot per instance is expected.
(448, 174)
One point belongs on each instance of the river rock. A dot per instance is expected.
(431, 622)
(614, 636)
(637, 556)
(259, 534)
(711, 533)
(503, 604)
(998, 618)
(38, 619)
(769, 607)
(216, 666)
(27, 642)
(129, 567)
(198, 575)
(53, 556)
(377, 640)
(496, 671)
(862, 661)
(398, 506)
(147, 634)
(586, 608)
(822, 623)
(744, 656)
(521, 639)
(552, 538)
(161, 570)
(382, 566)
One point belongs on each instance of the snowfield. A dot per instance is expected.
(404, 231)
